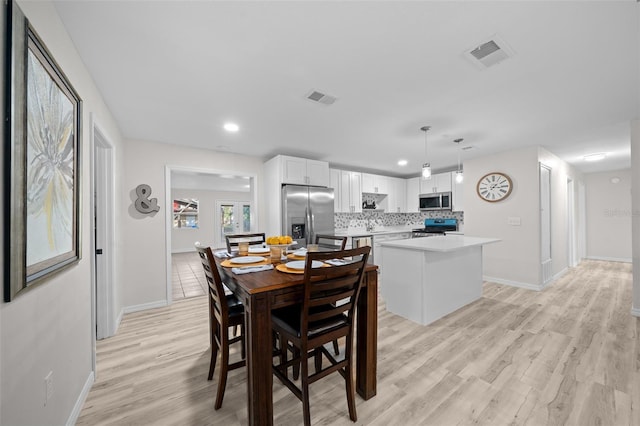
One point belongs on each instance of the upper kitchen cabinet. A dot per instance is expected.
(413, 194)
(457, 195)
(375, 184)
(440, 182)
(347, 188)
(396, 198)
(301, 171)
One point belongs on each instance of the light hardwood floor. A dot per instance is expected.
(568, 355)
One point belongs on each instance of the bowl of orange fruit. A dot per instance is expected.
(278, 245)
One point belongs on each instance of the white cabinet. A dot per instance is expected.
(351, 192)
(303, 172)
(457, 195)
(375, 184)
(396, 198)
(440, 182)
(347, 191)
(379, 238)
(413, 194)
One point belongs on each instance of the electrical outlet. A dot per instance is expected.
(48, 387)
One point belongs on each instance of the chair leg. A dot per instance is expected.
(243, 351)
(296, 367)
(304, 367)
(214, 352)
(336, 349)
(351, 398)
(317, 358)
(224, 368)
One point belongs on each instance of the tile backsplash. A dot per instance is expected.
(344, 221)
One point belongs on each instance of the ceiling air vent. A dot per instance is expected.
(320, 97)
(489, 53)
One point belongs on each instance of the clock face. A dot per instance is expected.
(494, 187)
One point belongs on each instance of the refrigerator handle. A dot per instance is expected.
(309, 219)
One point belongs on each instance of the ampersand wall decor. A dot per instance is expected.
(144, 204)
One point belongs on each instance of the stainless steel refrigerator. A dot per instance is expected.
(306, 212)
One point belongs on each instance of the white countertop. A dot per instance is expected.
(357, 232)
(440, 243)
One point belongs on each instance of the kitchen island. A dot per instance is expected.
(424, 279)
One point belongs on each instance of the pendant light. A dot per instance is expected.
(426, 167)
(459, 174)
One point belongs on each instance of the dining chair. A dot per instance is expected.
(252, 239)
(331, 242)
(318, 320)
(225, 311)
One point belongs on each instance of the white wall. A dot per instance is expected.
(48, 328)
(183, 239)
(516, 259)
(609, 215)
(144, 266)
(635, 208)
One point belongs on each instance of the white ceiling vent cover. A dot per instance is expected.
(323, 98)
(489, 53)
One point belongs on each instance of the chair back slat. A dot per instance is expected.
(234, 239)
(330, 242)
(217, 299)
(323, 287)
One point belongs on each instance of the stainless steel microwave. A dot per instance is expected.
(435, 201)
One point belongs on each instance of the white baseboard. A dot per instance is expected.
(555, 278)
(527, 286)
(611, 259)
(145, 306)
(635, 312)
(77, 408)
(118, 321)
(184, 250)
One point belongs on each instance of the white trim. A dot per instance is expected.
(611, 259)
(77, 407)
(168, 169)
(184, 250)
(635, 312)
(144, 306)
(511, 283)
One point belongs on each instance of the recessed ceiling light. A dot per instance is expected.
(402, 162)
(595, 157)
(231, 127)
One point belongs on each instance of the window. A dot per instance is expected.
(185, 213)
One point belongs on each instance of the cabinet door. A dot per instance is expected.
(413, 192)
(400, 189)
(368, 183)
(355, 191)
(294, 170)
(443, 182)
(458, 196)
(382, 184)
(318, 173)
(336, 184)
(427, 186)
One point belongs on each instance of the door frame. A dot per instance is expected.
(218, 218)
(168, 169)
(104, 321)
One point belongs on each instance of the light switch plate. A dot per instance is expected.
(513, 221)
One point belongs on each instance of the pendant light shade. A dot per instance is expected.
(459, 174)
(426, 167)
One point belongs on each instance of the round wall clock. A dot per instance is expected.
(494, 187)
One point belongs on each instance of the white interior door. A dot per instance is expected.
(545, 222)
(232, 217)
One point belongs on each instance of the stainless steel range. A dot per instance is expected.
(433, 227)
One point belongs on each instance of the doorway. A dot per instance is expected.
(232, 217)
(102, 253)
(545, 223)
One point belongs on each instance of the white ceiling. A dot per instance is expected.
(175, 71)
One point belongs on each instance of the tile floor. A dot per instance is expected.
(188, 277)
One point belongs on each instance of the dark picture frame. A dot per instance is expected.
(41, 161)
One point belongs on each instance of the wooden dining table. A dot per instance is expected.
(263, 291)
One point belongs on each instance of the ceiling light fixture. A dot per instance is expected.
(231, 127)
(595, 157)
(459, 174)
(402, 162)
(426, 167)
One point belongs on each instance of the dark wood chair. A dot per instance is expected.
(330, 242)
(305, 328)
(225, 311)
(252, 239)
